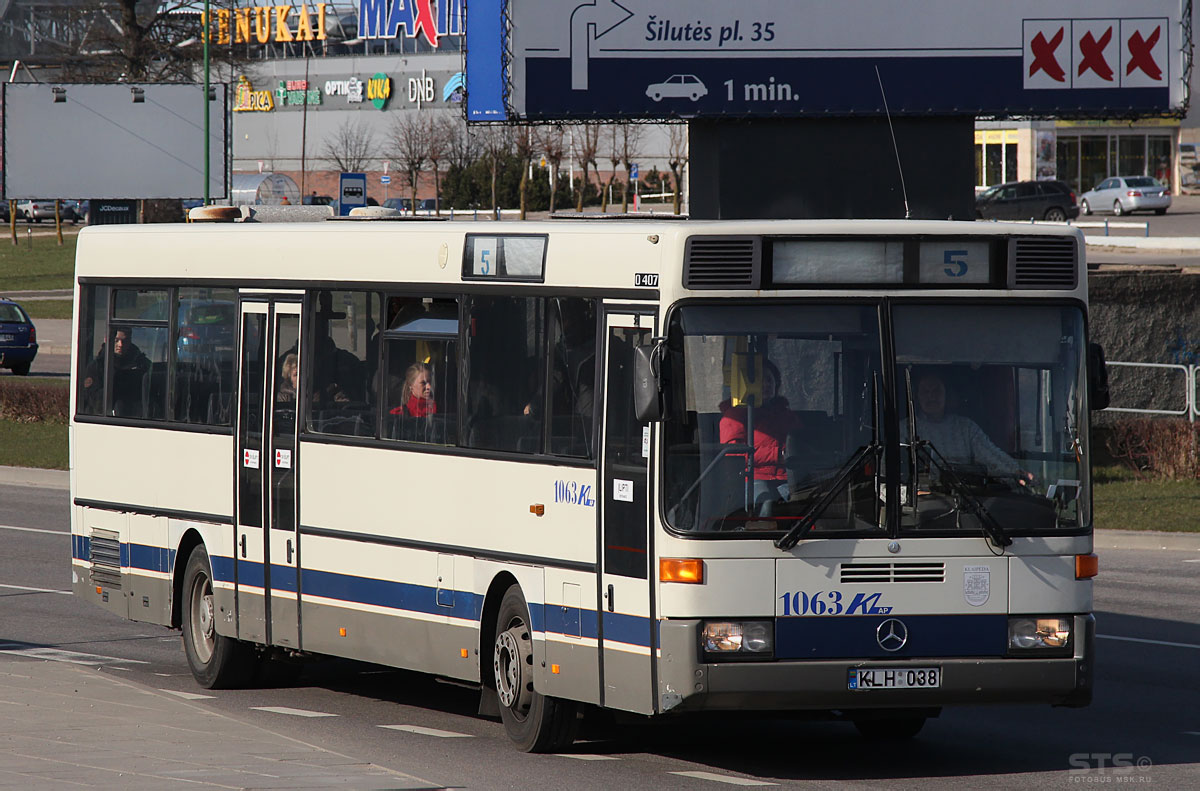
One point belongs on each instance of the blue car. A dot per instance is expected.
(18, 338)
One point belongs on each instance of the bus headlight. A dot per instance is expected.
(741, 639)
(1039, 634)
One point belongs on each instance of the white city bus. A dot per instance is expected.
(650, 466)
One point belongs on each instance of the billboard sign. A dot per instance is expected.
(120, 140)
(549, 59)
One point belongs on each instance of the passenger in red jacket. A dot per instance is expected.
(772, 422)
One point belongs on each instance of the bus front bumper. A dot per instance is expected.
(688, 684)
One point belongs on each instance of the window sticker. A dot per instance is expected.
(283, 459)
(250, 459)
(485, 256)
(623, 490)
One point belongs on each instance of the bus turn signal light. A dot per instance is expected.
(1086, 566)
(681, 570)
(537, 509)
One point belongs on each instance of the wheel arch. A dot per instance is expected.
(487, 624)
(187, 544)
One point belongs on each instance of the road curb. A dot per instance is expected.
(1177, 244)
(1147, 539)
(34, 476)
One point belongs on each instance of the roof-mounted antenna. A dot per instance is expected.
(903, 190)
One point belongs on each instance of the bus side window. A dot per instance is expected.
(93, 329)
(505, 348)
(342, 398)
(572, 375)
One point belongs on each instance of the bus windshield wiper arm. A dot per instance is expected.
(967, 502)
(825, 497)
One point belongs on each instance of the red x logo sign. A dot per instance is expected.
(1140, 55)
(1093, 55)
(1043, 56)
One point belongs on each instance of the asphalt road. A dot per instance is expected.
(1148, 609)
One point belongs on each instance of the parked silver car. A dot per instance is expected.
(1126, 194)
(39, 209)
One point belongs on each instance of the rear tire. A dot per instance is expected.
(1055, 214)
(890, 729)
(21, 369)
(1085, 207)
(536, 723)
(1160, 212)
(216, 661)
(1118, 209)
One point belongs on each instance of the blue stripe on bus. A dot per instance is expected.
(832, 637)
(573, 621)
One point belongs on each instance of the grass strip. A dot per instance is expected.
(37, 263)
(48, 308)
(33, 445)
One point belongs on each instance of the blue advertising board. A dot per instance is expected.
(549, 59)
(352, 191)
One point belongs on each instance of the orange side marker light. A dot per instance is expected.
(1086, 566)
(681, 570)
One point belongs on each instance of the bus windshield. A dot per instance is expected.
(779, 415)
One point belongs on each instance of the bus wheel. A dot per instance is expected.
(216, 661)
(890, 728)
(536, 723)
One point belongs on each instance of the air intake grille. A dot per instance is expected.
(722, 262)
(893, 572)
(1044, 262)
(105, 555)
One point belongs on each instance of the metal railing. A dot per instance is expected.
(1191, 404)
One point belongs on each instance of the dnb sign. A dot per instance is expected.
(564, 59)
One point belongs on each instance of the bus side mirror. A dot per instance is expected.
(648, 401)
(1098, 396)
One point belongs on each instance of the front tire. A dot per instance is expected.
(536, 723)
(216, 661)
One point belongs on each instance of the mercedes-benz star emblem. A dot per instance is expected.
(892, 634)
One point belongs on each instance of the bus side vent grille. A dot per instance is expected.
(722, 262)
(893, 572)
(1044, 262)
(105, 555)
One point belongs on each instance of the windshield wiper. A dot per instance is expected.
(825, 496)
(965, 502)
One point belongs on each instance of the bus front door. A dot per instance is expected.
(626, 631)
(266, 552)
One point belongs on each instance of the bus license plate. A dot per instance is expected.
(895, 678)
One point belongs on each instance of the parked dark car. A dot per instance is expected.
(18, 338)
(318, 200)
(1027, 200)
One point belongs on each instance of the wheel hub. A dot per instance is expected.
(510, 660)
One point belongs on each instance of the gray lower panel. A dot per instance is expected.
(686, 684)
(627, 682)
(578, 671)
(149, 599)
(392, 640)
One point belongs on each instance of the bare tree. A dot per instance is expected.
(410, 147)
(524, 147)
(613, 146)
(125, 40)
(440, 132)
(554, 147)
(351, 147)
(496, 142)
(462, 147)
(631, 141)
(589, 146)
(677, 160)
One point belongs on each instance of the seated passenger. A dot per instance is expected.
(956, 438)
(289, 374)
(772, 422)
(416, 397)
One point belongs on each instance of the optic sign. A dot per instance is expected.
(386, 18)
(568, 59)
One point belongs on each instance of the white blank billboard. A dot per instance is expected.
(96, 141)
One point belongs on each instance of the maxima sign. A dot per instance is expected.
(656, 58)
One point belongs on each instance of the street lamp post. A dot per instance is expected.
(207, 21)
